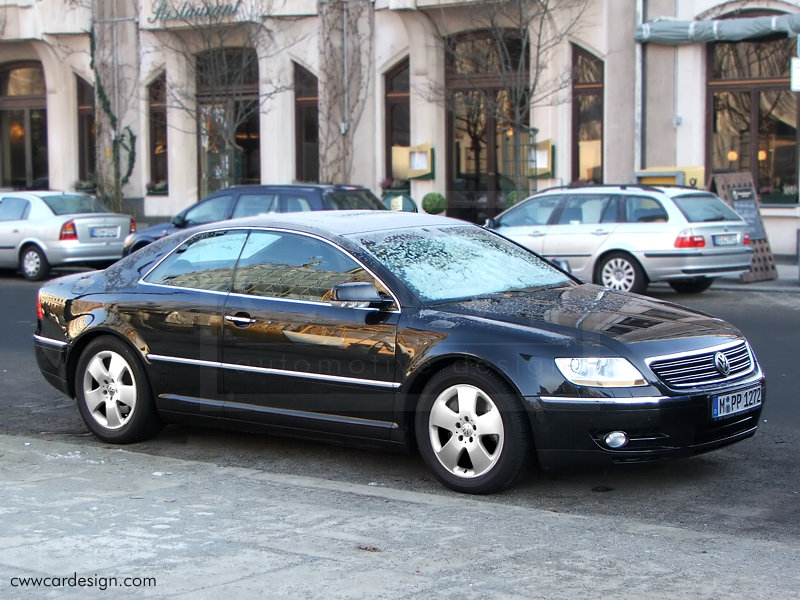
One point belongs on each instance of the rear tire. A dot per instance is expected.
(695, 285)
(33, 264)
(621, 272)
(113, 392)
(472, 431)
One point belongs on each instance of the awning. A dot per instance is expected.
(674, 33)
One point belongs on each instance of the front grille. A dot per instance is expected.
(689, 370)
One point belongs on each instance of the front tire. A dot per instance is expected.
(471, 430)
(33, 264)
(113, 393)
(621, 272)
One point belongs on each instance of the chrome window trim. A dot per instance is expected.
(50, 341)
(278, 230)
(271, 371)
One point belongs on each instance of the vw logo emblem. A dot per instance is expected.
(722, 364)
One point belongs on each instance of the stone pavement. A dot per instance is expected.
(99, 522)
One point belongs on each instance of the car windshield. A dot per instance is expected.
(68, 204)
(455, 262)
(354, 200)
(703, 208)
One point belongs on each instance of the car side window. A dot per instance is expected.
(13, 209)
(583, 209)
(643, 209)
(293, 266)
(255, 204)
(208, 211)
(536, 211)
(294, 203)
(203, 262)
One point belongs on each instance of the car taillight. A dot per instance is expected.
(39, 311)
(68, 231)
(686, 240)
(133, 226)
(746, 239)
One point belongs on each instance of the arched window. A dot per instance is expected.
(23, 127)
(398, 118)
(587, 117)
(86, 132)
(229, 123)
(157, 96)
(306, 114)
(753, 115)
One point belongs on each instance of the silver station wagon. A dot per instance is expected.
(627, 236)
(39, 230)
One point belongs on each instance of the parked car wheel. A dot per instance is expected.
(114, 394)
(33, 264)
(471, 430)
(691, 286)
(620, 271)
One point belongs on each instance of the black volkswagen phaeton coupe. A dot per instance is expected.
(396, 330)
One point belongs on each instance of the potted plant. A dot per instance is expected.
(434, 203)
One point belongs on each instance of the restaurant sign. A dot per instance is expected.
(164, 11)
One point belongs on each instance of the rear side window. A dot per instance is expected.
(704, 208)
(535, 211)
(13, 209)
(255, 204)
(643, 209)
(295, 203)
(67, 204)
(203, 262)
(583, 209)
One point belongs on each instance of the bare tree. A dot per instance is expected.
(346, 32)
(503, 68)
(116, 76)
(223, 51)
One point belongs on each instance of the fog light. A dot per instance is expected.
(616, 439)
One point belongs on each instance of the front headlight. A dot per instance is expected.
(600, 372)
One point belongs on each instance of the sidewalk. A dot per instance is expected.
(788, 279)
(79, 516)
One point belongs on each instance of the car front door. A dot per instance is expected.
(181, 322)
(294, 360)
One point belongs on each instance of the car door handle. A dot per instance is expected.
(600, 232)
(536, 234)
(240, 319)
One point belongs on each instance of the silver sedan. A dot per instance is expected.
(40, 230)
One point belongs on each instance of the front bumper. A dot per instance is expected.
(570, 431)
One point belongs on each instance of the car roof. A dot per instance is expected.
(289, 186)
(633, 188)
(337, 222)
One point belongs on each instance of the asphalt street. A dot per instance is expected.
(196, 513)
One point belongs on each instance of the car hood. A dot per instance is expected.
(598, 312)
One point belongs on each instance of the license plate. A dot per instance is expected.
(726, 239)
(729, 404)
(104, 232)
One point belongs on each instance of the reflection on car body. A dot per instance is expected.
(393, 330)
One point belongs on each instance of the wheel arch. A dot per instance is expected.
(79, 346)
(426, 372)
(600, 258)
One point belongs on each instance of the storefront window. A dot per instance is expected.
(229, 119)
(23, 128)
(587, 117)
(398, 124)
(754, 115)
(157, 93)
(86, 135)
(306, 125)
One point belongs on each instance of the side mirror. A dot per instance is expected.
(358, 294)
(179, 221)
(490, 224)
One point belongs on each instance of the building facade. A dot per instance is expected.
(482, 102)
